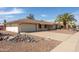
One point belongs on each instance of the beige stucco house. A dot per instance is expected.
(29, 25)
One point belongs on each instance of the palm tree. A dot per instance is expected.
(66, 19)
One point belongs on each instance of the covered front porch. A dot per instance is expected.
(43, 27)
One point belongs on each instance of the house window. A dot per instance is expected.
(45, 26)
(39, 25)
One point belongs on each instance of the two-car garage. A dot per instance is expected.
(22, 28)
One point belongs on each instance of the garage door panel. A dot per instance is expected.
(27, 27)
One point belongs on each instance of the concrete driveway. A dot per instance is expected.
(70, 45)
(52, 35)
(70, 41)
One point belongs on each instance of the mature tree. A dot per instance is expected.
(67, 19)
(31, 16)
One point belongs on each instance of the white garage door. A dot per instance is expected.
(27, 28)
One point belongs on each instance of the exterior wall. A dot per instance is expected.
(12, 25)
(42, 28)
(49, 27)
(27, 27)
(53, 27)
(12, 29)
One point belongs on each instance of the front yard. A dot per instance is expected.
(43, 41)
(22, 43)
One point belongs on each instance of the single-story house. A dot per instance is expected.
(29, 25)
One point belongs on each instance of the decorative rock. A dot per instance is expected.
(18, 38)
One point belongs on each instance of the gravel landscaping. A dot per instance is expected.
(25, 43)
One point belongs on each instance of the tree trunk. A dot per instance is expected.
(65, 24)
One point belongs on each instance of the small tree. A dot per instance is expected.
(5, 23)
(31, 16)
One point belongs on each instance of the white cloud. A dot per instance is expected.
(9, 16)
(14, 11)
(76, 14)
(43, 15)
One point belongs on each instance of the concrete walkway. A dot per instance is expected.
(52, 35)
(69, 45)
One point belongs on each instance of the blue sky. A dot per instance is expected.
(40, 13)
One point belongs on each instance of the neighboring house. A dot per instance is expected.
(77, 28)
(2, 27)
(29, 25)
